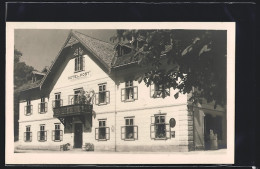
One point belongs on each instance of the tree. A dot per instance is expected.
(196, 59)
(22, 72)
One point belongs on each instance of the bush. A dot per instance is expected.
(89, 147)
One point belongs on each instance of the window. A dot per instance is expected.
(57, 134)
(79, 60)
(103, 96)
(57, 102)
(157, 91)
(28, 108)
(159, 128)
(42, 107)
(102, 132)
(28, 134)
(76, 98)
(129, 131)
(130, 92)
(42, 134)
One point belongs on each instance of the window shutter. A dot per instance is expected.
(136, 132)
(30, 136)
(53, 135)
(25, 110)
(76, 64)
(136, 93)
(38, 135)
(96, 133)
(123, 94)
(45, 135)
(83, 59)
(97, 98)
(123, 132)
(152, 131)
(31, 109)
(167, 91)
(53, 103)
(108, 97)
(24, 136)
(61, 135)
(39, 107)
(46, 106)
(107, 133)
(152, 119)
(168, 131)
(152, 90)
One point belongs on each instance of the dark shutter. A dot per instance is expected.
(123, 94)
(97, 98)
(31, 109)
(136, 93)
(83, 64)
(76, 63)
(96, 133)
(136, 132)
(123, 132)
(107, 97)
(107, 133)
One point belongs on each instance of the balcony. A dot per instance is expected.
(76, 106)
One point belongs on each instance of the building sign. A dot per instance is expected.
(80, 75)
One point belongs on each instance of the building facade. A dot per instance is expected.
(122, 115)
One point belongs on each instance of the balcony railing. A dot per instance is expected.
(76, 106)
(57, 103)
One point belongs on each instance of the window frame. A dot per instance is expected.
(28, 130)
(55, 131)
(154, 126)
(107, 130)
(43, 102)
(153, 90)
(102, 91)
(79, 60)
(30, 106)
(42, 130)
(124, 129)
(129, 85)
(57, 98)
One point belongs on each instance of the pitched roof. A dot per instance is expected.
(29, 85)
(103, 50)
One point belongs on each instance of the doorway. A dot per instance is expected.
(214, 124)
(78, 135)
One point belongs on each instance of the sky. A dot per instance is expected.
(40, 47)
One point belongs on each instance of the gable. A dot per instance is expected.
(100, 52)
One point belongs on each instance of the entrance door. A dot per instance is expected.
(214, 124)
(78, 135)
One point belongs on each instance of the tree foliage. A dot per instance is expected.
(196, 61)
(22, 72)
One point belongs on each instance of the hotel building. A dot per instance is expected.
(125, 115)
